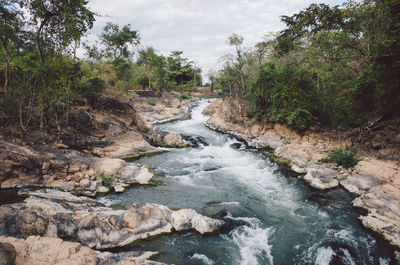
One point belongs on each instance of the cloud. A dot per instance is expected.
(199, 28)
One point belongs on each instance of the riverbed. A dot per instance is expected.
(273, 218)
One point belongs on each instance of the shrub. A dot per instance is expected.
(152, 102)
(346, 158)
(107, 180)
(184, 96)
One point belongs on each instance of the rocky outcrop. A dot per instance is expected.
(51, 213)
(166, 107)
(37, 250)
(376, 181)
(124, 173)
(66, 169)
(162, 138)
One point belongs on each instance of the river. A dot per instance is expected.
(274, 219)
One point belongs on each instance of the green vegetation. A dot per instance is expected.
(184, 96)
(152, 102)
(346, 157)
(337, 66)
(108, 180)
(41, 78)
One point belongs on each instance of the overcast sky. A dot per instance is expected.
(199, 28)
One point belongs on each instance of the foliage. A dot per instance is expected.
(108, 180)
(152, 102)
(346, 158)
(118, 40)
(41, 79)
(334, 65)
(184, 96)
(287, 93)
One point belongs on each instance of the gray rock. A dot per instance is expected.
(7, 254)
(324, 178)
(55, 213)
(84, 183)
(118, 188)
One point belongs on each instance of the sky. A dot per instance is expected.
(199, 28)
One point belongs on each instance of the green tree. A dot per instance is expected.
(58, 22)
(11, 35)
(150, 60)
(117, 41)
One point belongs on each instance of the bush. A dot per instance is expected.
(184, 96)
(152, 102)
(346, 158)
(285, 92)
(107, 180)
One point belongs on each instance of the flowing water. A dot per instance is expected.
(273, 219)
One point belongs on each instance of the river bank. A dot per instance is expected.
(375, 181)
(51, 176)
(256, 214)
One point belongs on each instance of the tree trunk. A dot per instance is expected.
(7, 66)
(37, 40)
(149, 77)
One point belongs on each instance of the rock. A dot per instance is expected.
(173, 139)
(118, 188)
(59, 214)
(46, 166)
(37, 250)
(141, 124)
(322, 178)
(7, 254)
(134, 173)
(84, 183)
(162, 138)
(187, 218)
(102, 189)
(360, 184)
(195, 140)
(109, 165)
(236, 145)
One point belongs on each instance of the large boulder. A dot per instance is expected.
(53, 213)
(37, 250)
(162, 138)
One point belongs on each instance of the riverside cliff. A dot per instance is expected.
(375, 181)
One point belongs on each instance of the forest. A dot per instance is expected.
(334, 66)
(41, 76)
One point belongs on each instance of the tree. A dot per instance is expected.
(237, 62)
(118, 40)
(212, 74)
(150, 60)
(58, 22)
(11, 31)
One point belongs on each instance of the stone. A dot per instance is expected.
(118, 188)
(46, 166)
(61, 214)
(102, 189)
(359, 184)
(109, 165)
(37, 250)
(7, 254)
(322, 178)
(84, 183)
(134, 173)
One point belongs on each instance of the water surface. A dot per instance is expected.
(275, 219)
